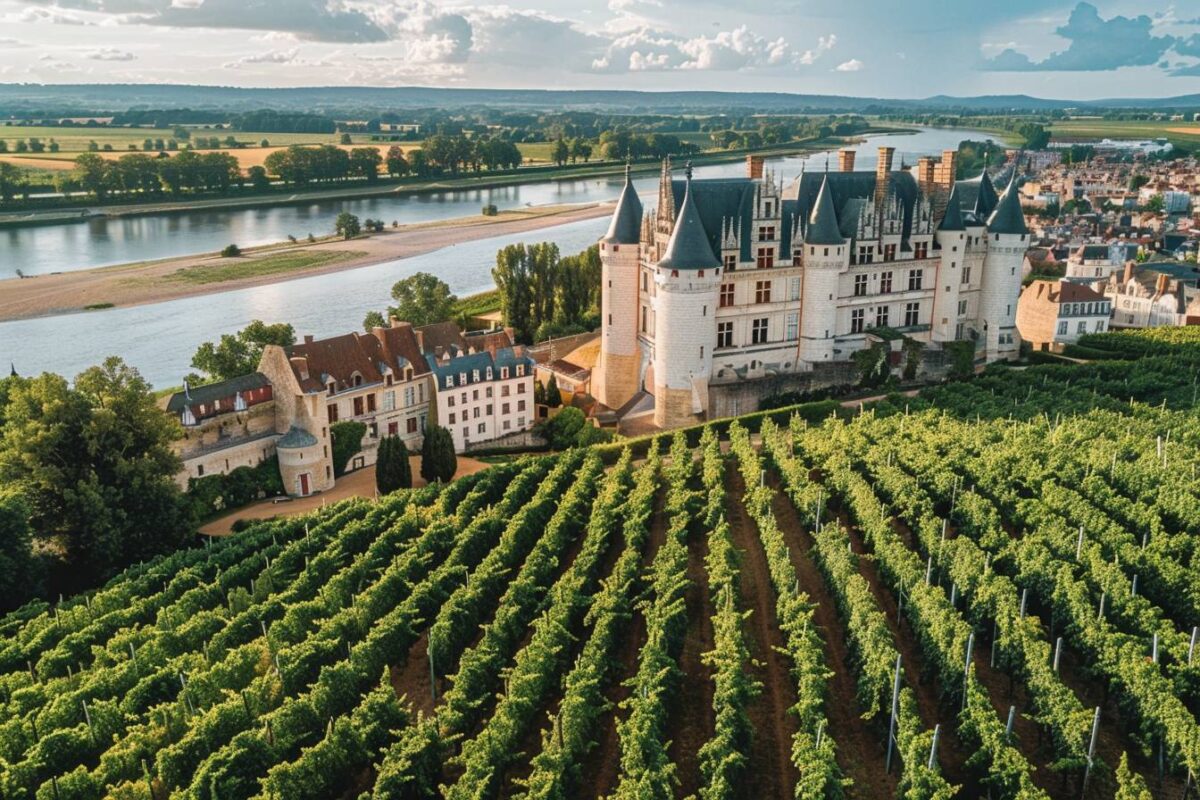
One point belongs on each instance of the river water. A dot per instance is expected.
(159, 339)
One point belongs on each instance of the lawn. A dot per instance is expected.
(74, 138)
(233, 269)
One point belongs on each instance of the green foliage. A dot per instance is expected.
(238, 354)
(230, 250)
(373, 320)
(553, 395)
(568, 428)
(962, 358)
(392, 468)
(872, 364)
(239, 487)
(346, 440)
(543, 294)
(1130, 785)
(19, 569)
(912, 350)
(438, 460)
(422, 299)
(347, 225)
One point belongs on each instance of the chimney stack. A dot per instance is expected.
(1161, 283)
(945, 170)
(754, 167)
(925, 173)
(308, 338)
(1129, 265)
(846, 160)
(882, 171)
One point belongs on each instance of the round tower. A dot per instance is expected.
(687, 280)
(951, 236)
(826, 255)
(1008, 240)
(616, 379)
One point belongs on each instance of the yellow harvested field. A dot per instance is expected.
(1192, 130)
(247, 156)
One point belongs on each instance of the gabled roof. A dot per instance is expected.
(338, 358)
(1008, 216)
(210, 393)
(822, 221)
(626, 225)
(689, 247)
(952, 220)
(464, 367)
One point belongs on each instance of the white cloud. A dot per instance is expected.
(853, 65)
(824, 45)
(109, 54)
(289, 56)
(35, 15)
(732, 50)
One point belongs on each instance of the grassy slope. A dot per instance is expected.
(239, 268)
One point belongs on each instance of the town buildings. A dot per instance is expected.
(226, 425)
(1153, 295)
(732, 280)
(1053, 313)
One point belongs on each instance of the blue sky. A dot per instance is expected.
(881, 48)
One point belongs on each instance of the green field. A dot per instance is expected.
(1086, 129)
(238, 268)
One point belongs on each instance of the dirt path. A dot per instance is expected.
(410, 677)
(155, 282)
(771, 773)
(860, 745)
(691, 723)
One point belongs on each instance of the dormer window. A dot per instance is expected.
(332, 387)
(408, 373)
(489, 373)
(474, 375)
(356, 380)
(504, 373)
(388, 379)
(520, 370)
(462, 378)
(449, 381)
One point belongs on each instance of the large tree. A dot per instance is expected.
(345, 442)
(438, 461)
(392, 468)
(19, 573)
(422, 299)
(11, 180)
(93, 461)
(347, 225)
(239, 353)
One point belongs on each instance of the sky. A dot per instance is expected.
(1064, 49)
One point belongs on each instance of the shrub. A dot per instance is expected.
(241, 486)
(230, 251)
(490, 210)
(438, 461)
(346, 441)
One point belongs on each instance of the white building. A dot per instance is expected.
(1146, 297)
(735, 278)
(483, 395)
(1092, 261)
(1059, 312)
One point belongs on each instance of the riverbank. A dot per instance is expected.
(385, 188)
(210, 273)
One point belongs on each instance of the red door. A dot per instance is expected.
(304, 484)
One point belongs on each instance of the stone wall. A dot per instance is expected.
(743, 396)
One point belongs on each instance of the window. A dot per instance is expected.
(489, 409)
(793, 326)
(482, 427)
(962, 307)
(466, 434)
(766, 233)
(920, 249)
(520, 370)
(388, 379)
(489, 373)
(462, 378)
(912, 314)
(504, 373)
(966, 278)
(724, 334)
(645, 314)
(449, 381)
(520, 405)
(332, 388)
(766, 257)
(200, 470)
(889, 252)
(463, 398)
(393, 428)
(866, 254)
(505, 390)
(726, 296)
(505, 408)
(520, 388)
(885, 282)
(451, 417)
(1081, 327)
(507, 424)
(1099, 326)
(860, 285)
(762, 291)
(645, 282)
(794, 289)
(389, 401)
(475, 412)
(410, 425)
(370, 402)
(332, 412)
(881, 316)
(487, 392)
(474, 376)
(1062, 328)
(758, 331)
(856, 320)
(475, 394)
(358, 379)
(409, 396)
(730, 262)
(915, 278)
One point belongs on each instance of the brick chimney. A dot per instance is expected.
(946, 169)
(754, 167)
(1162, 283)
(882, 170)
(1129, 265)
(308, 338)
(846, 160)
(925, 173)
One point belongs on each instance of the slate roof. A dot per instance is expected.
(446, 337)
(295, 439)
(690, 247)
(626, 225)
(978, 198)
(845, 187)
(823, 227)
(1008, 216)
(209, 393)
(463, 368)
(952, 220)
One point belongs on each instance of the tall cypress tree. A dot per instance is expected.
(392, 470)
(438, 461)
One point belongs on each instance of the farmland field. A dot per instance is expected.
(1087, 129)
(750, 609)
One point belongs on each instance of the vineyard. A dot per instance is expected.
(988, 590)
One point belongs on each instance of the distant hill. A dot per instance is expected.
(67, 99)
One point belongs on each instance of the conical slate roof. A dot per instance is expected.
(986, 200)
(626, 225)
(1008, 217)
(953, 218)
(822, 223)
(689, 247)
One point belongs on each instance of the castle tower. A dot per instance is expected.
(951, 237)
(687, 279)
(826, 255)
(616, 380)
(1008, 239)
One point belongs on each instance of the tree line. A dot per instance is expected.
(544, 294)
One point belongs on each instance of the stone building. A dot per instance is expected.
(1153, 295)
(226, 425)
(739, 279)
(1053, 313)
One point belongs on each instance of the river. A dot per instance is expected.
(159, 339)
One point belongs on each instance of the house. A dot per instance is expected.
(1155, 294)
(570, 378)
(226, 425)
(1093, 261)
(1051, 313)
(380, 379)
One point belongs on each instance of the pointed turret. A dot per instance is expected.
(953, 218)
(689, 247)
(1008, 217)
(822, 222)
(985, 201)
(626, 224)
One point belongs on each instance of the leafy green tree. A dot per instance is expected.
(395, 161)
(345, 139)
(560, 152)
(92, 173)
(94, 464)
(553, 395)
(438, 461)
(364, 162)
(1155, 204)
(422, 299)
(392, 468)
(373, 320)
(347, 225)
(259, 180)
(19, 577)
(239, 353)
(345, 440)
(11, 180)
(539, 393)
(564, 429)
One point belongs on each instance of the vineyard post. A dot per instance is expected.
(87, 717)
(1133, 589)
(995, 631)
(953, 593)
(54, 783)
(1087, 772)
(149, 780)
(1012, 715)
(1103, 597)
(1154, 648)
(820, 733)
(929, 570)
(937, 728)
(1057, 652)
(432, 678)
(1192, 646)
(1024, 598)
(33, 674)
(967, 666)
(1079, 543)
(895, 710)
